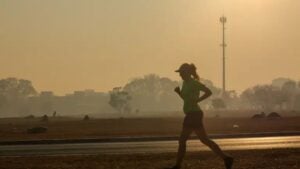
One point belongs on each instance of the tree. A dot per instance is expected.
(218, 103)
(12, 87)
(289, 90)
(119, 100)
(297, 102)
(2, 100)
(13, 94)
(263, 97)
(154, 93)
(289, 87)
(215, 90)
(230, 99)
(279, 82)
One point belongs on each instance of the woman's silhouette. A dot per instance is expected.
(190, 94)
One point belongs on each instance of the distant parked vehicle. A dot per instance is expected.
(274, 115)
(86, 118)
(259, 116)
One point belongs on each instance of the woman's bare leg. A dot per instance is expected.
(185, 133)
(201, 133)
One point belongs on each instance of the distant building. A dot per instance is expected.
(79, 93)
(46, 94)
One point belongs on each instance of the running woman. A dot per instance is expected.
(190, 94)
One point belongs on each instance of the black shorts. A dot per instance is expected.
(193, 120)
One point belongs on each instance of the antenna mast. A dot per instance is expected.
(223, 20)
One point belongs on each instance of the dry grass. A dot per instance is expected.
(66, 128)
(250, 159)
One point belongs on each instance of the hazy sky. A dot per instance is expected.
(67, 45)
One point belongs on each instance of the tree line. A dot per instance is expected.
(154, 93)
(142, 95)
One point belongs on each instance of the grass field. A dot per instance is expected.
(250, 159)
(67, 128)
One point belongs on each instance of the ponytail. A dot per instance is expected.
(194, 72)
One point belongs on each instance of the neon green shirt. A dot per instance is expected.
(190, 92)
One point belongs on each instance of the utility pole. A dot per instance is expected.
(223, 20)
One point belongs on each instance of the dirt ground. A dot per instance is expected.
(74, 128)
(250, 159)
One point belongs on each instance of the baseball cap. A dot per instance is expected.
(183, 67)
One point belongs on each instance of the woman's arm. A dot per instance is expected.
(207, 93)
(177, 90)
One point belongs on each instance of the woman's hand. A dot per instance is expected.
(177, 90)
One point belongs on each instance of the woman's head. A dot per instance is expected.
(187, 71)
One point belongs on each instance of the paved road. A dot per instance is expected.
(148, 147)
